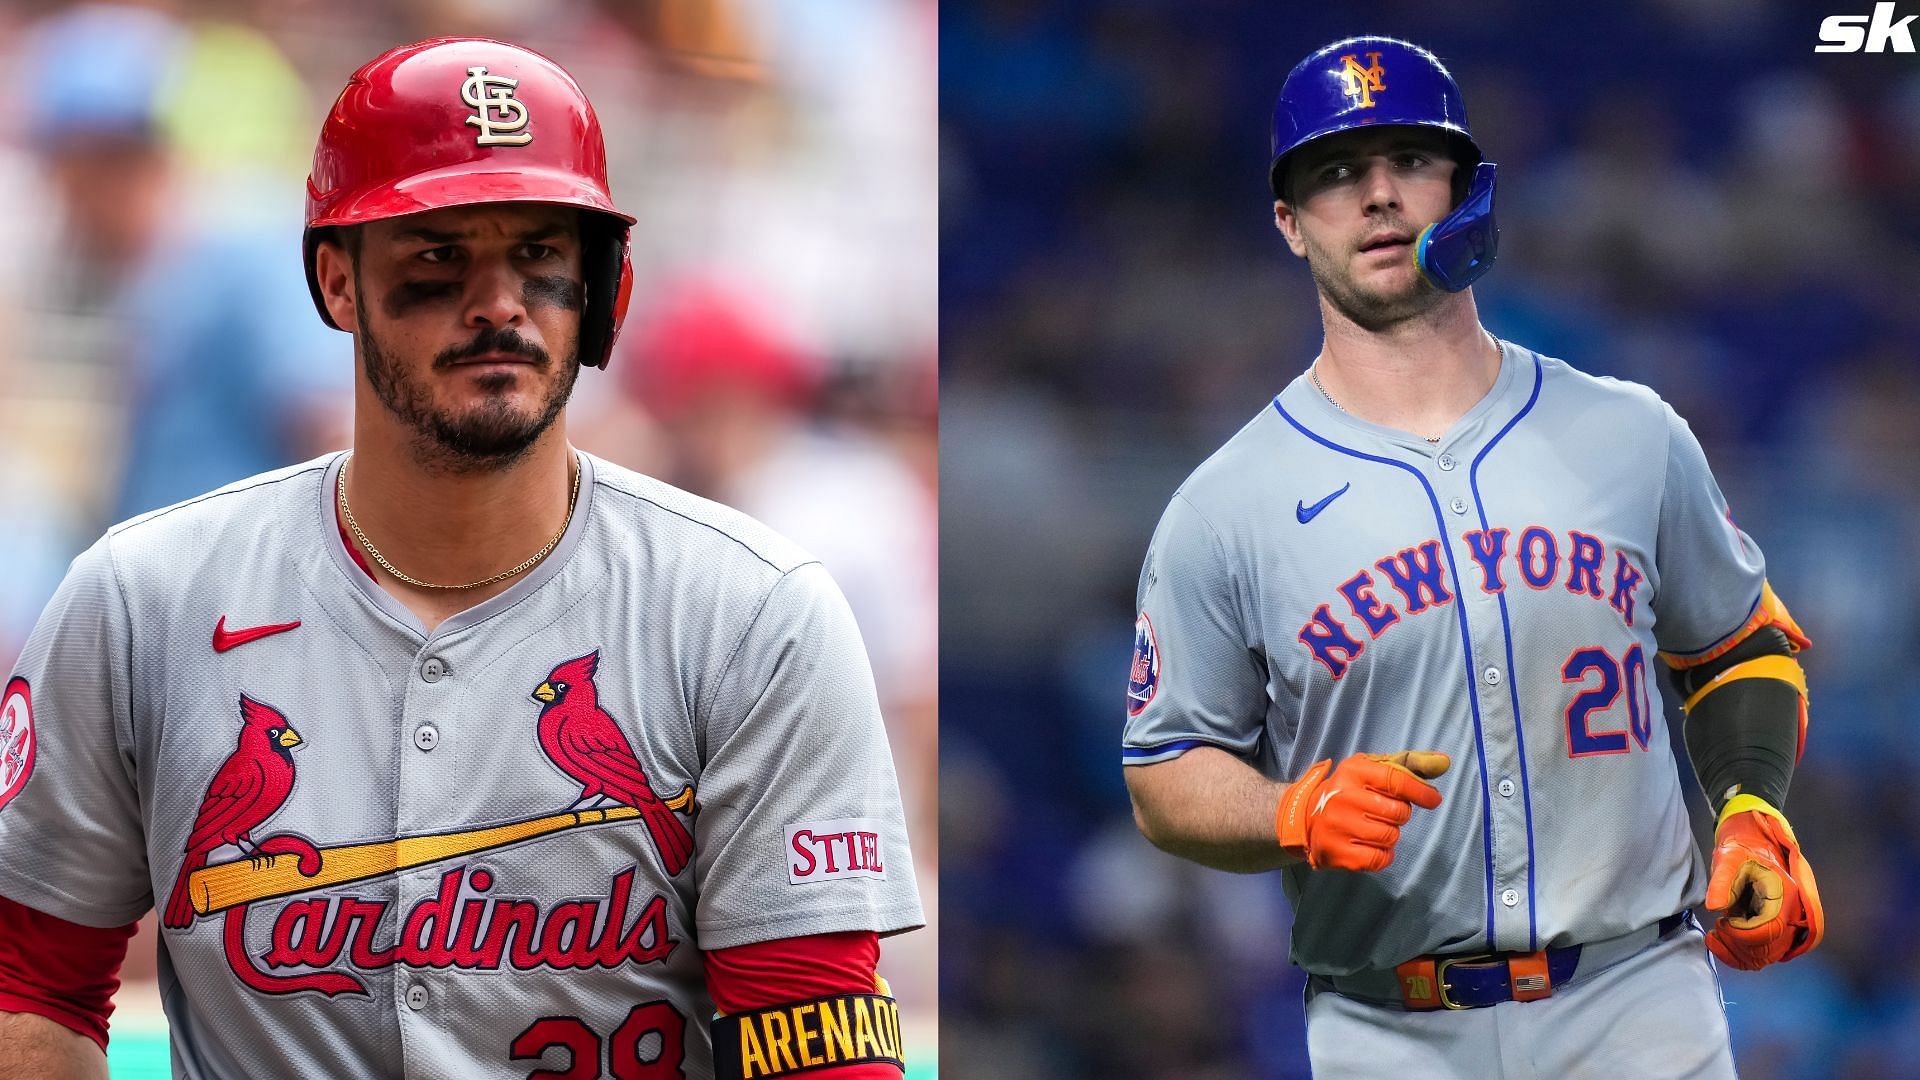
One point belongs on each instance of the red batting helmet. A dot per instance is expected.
(467, 121)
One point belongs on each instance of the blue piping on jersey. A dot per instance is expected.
(1182, 745)
(1466, 642)
(1751, 608)
(1513, 683)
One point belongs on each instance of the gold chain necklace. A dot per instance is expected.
(1313, 375)
(346, 511)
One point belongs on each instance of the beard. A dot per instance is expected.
(488, 436)
(1370, 309)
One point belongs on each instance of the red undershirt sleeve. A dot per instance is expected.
(60, 970)
(769, 973)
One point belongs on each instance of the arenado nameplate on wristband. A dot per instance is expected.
(791, 1040)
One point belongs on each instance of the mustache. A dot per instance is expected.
(1392, 224)
(492, 340)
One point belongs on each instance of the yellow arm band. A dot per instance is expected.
(800, 1038)
(1784, 668)
(1741, 803)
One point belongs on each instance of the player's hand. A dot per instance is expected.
(1763, 888)
(1349, 816)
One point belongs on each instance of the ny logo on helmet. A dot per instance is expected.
(1363, 81)
(501, 118)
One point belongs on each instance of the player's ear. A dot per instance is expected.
(333, 269)
(1288, 223)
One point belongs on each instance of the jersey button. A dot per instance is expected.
(1493, 676)
(1506, 788)
(1509, 898)
(426, 737)
(1458, 505)
(434, 669)
(416, 997)
(1446, 463)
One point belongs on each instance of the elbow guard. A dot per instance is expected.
(1765, 648)
(1746, 707)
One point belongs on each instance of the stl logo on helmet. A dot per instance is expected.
(1363, 81)
(501, 117)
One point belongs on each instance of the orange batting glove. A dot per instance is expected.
(1350, 816)
(1763, 888)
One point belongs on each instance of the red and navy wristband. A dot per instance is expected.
(806, 1036)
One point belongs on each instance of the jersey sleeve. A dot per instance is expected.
(71, 837)
(1710, 572)
(1195, 679)
(799, 826)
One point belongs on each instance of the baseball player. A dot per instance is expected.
(1399, 636)
(462, 753)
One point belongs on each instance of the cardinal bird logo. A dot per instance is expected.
(250, 785)
(586, 743)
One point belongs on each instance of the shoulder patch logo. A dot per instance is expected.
(834, 849)
(1144, 677)
(16, 739)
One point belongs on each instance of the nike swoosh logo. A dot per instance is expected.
(1307, 513)
(224, 639)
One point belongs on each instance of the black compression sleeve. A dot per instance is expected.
(1746, 733)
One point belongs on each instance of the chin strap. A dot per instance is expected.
(1455, 251)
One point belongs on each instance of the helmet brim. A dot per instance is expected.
(1465, 150)
(464, 185)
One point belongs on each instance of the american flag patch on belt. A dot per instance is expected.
(1527, 984)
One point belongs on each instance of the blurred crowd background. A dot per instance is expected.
(157, 339)
(1690, 198)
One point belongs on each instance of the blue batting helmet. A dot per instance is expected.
(1375, 81)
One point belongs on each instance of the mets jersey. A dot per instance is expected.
(473, 852)
(1324, 586)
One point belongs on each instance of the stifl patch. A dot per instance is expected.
(834, 849)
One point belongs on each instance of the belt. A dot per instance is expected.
(1477, 980)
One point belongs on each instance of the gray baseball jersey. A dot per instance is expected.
(1323, 586)
(471, 852)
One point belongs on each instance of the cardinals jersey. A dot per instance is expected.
(479, 851)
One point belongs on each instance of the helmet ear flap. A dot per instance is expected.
(608, 270)
(345, 236)
(310, 246)
(1466, 157)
